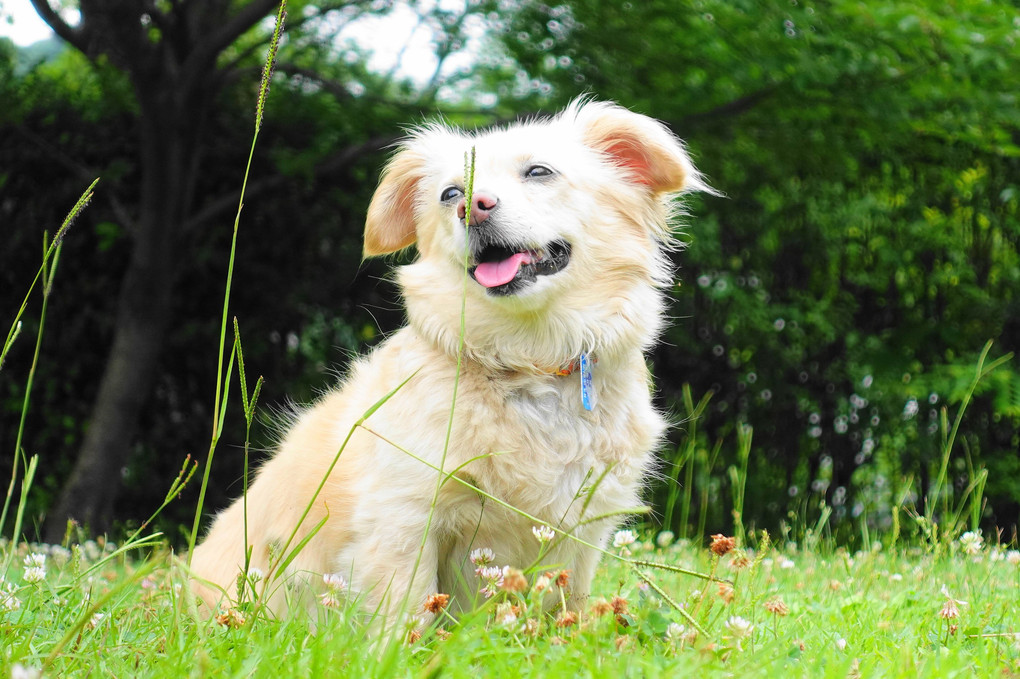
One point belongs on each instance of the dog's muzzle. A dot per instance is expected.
(505, 269)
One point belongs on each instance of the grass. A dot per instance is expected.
(819, 613)
(801, 609)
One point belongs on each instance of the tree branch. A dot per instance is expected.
(338, 160)
(77, 36)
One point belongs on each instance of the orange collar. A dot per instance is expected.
(568, 369)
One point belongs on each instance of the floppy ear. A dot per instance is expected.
(645, 148)
(390, 223)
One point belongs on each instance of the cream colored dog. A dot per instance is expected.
(559, 272)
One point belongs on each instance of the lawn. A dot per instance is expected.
(809, 611)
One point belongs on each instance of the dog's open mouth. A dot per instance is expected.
(506, 270)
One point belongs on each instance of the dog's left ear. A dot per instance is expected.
(390, 223)
(645, 148)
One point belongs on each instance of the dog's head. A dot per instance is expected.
(564, 245)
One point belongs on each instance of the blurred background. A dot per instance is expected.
(834, 300)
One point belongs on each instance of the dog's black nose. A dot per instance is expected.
(482, 205)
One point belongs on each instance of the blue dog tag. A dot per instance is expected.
(588, 396)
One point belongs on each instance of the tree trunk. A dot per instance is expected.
(142, 318)
(169, 131)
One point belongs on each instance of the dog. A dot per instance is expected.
(517, 395)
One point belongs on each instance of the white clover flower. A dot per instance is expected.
(334, 582)
(543, 533)
(622, 538)
(971, 542)
(35, 560)
(482, 557)
(330, 599)
(841, 644)
(1013, 557)
(19, 671)
(664, 539)
(505, 614)
(910, 408)
(738, 628)
(255, 575)
(786, 563)
(34, 574)
(8, 602)
(675, 632)
(541, 583)
(91, 549)
(492, 577)
(95, 620)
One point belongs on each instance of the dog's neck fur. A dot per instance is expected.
(540, 342)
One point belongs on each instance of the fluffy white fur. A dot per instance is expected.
(519, 431)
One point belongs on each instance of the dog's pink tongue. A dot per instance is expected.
(493, 274)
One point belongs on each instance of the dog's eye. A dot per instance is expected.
(538, 171)
(450, 193)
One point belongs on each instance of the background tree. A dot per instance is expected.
(834, 299)
(867, 246)
(174, 68)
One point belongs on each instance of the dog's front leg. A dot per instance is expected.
(395, 572)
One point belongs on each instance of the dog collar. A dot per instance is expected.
(583, 365)
(569, 368)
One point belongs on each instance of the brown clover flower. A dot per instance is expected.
(435, 603)
(722, 545)
(776, 606)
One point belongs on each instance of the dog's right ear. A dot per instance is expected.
(391, 224)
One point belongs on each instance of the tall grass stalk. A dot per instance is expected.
(220, 400)
(685, 460)
(940, 491)
(738, 478)
(47, 271)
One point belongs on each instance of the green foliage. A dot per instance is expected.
(867, 244)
